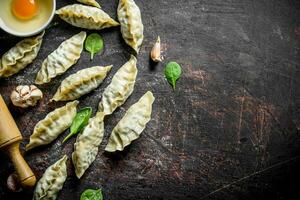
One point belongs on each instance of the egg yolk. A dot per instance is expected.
(24, 9)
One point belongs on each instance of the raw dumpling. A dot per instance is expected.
(86, 17)
(90, 2)
(132, 124)
(56, 122)
(132, 27)
(52, 181)
(61, 59)
(87, 142)
(80, 83)
(120, 88)
(18, 57)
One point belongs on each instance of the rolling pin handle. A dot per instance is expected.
(26, 176)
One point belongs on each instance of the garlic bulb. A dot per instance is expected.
(24, 96)
(155, 52)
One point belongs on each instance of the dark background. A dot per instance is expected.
(229, 131)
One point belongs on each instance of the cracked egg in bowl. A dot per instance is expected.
(25, 17)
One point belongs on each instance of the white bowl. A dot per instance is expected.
(38, 30)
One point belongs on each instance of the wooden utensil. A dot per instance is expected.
(10, 138)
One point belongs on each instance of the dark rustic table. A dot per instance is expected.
(229, 131)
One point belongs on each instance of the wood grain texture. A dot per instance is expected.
(229, 131)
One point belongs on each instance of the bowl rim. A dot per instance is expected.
(40, 29)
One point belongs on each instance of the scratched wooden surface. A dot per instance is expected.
(229, 131)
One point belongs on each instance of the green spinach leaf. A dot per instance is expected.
(90, 194)
(94, 44)
(79, 122)
(172, 73)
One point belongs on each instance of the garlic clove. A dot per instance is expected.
(156, 51)
(35, 92)
(25, 92)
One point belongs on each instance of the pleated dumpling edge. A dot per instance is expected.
(90, 3)
(87, 17)
(120, 87)
(21, 55)
(55, 123)
(81, 83)
(61, 59)
(132, 124)
(132, 28)
(87, 143)
(52, 180)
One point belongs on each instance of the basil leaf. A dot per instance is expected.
(172, 73)
(94, 44)
(79, 122)
(90, 194)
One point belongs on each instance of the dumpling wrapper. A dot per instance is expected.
(132, 28)
(81, 83)
(60, 60)
(56, 122)
(90, 2)
(87, 17)
(87, 143)
(20, 56)
(132, 124)
(120, 88)
(52, 181)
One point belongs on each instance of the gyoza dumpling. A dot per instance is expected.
(132, 124)
(18, 57)
(80, 83)
(120, 88)
(90, 2)
(86, 17)
(52, 181)
(56, 122)
(60, 60)
(132, 27)
(87, 143)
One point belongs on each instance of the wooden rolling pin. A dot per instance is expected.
(10, 138)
